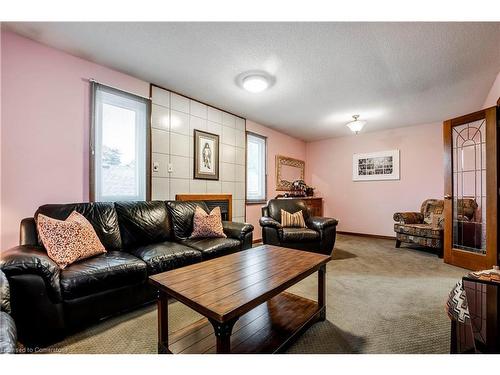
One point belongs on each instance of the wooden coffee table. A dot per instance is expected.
(242, 297)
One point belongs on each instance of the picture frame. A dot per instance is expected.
(376, 166)
(205, 156)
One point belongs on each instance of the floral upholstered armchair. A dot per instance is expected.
(425, 228)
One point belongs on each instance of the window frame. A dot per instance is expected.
(255, 201)
(94, 86)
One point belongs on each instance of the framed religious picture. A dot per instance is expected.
(206, 155)
(382, 165)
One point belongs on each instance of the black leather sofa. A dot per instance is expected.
(8, 332)
(141, 239)
(319, 236)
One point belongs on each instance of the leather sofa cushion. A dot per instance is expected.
(106, 271)
(213, 247)
(182, 213)
(101, 215)
(299, 234)
(8, 334)
(275, 206)
(142, 223)
(165, 256)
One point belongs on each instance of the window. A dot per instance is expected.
(256, 168)
(119, 145)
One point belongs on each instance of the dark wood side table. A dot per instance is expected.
(314, 204)
(243, 299)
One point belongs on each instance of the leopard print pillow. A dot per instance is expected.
(207, 225)
(69, 240)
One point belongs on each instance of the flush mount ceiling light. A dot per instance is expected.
(356, 125)
(255, 81)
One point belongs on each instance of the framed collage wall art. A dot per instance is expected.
(373, 166)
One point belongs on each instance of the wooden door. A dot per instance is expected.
(470, 201)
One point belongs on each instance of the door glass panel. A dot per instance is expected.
(469, 187)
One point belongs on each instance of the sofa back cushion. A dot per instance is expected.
(101, 215)
(143, 223)
(181, 215)
(290, 205)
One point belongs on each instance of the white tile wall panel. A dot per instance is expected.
(179, 122)
(227, 188)
(239, 173)
(160, 189)
(214, 115)
(238, 207)
(239, 157)
(160, 117)
(179, 103)
(240, 124)
(228, 136)
(226, 172)
(239, 190)
(228, 153)
(196, 123)
(162, 160)
(178, 186)
(160, 141)
(179, 144)
(161, 97)
(214, 187)
(228, 120)
(181, 167)
(239, 138)
(197, 187)
(214, 128)
(174, 119)
(198, 109)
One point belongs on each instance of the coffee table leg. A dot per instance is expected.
(223, 335)
(162, 323)
(322, 292)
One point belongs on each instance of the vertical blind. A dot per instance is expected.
(119, 144)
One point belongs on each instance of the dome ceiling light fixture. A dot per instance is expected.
(356, 125)
(255, 81)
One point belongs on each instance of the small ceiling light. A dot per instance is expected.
(356, 125)
(255, 83)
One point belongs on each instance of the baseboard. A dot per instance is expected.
(368, 235)
(257, 240)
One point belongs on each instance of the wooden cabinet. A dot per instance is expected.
(314, 204)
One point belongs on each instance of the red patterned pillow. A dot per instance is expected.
(207, 225)
(70, 240)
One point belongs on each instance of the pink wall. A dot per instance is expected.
(368, 206)
(277, 144)
(45, 127)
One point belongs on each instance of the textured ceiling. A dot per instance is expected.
(391, 74)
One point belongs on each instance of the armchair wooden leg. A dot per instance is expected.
(398, 244)
(440, 253)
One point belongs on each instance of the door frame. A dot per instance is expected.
(459, 257)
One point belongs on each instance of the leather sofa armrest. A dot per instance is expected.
(26, 259)
(409, 217)
(236, 230)
(319, 223)
(266, 221)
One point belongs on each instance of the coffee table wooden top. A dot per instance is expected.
(229, 286)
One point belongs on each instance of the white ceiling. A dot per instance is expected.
(391, 74)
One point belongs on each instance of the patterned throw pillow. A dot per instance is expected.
(433, 208)
(69, 240)
(295, 220)
(207, 225)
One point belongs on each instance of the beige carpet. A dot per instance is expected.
(380, 300)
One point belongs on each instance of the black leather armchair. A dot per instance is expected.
(319, 236)
(8, 333)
